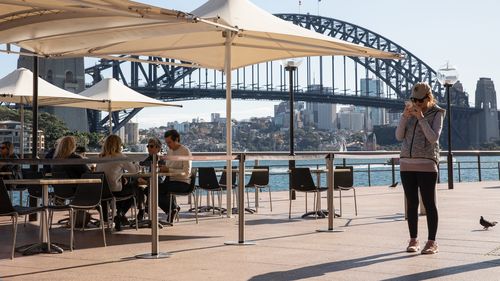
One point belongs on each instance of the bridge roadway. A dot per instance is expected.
(180, 94)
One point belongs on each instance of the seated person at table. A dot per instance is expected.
(176, 183)
(7, 152)
(50, 155)
(66, 150)
(112, 149)
(154, 147)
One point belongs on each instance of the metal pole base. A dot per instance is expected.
(329, 230)
(153, 256)
(236, 243)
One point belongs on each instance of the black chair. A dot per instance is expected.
(6, 209)
(191, 190)
(109, 197)
(344, 181)
(234, 176)
(302, 181)
(63, 192)
(87, 197)
(207, 180)
(34, 191)
(259, 180)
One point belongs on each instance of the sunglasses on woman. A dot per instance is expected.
(418, 100)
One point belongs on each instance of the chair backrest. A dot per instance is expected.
(207, 179)
(33, 190)
(234, 174)
(63, 190)
(302, 179)
(88, 194)
(259, 178)
(106, 192)
(192, 183)
(5, 203)
(344, 179)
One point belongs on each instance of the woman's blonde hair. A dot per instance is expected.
(432, 100)
(65, 147)
(112, 146)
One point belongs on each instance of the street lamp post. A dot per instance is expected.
(447, 75)
(291, 66)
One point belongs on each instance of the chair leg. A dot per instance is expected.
(340, 195)
(113, 211)
(71, 232)
(135, 214)
(14, 235)
(72, 224)
(306, 202)
(270, 199)
(170, 210)
(102, 225)
(248, 199)
(196, 207)
(219, 197)
(355, 203)
(84, 213)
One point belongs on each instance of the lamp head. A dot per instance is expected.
(447, 75)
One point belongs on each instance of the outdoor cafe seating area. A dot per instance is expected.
(54, 194)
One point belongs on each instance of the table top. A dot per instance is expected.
(148, 174)
(50, 181)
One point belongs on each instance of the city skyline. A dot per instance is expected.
(433, 31)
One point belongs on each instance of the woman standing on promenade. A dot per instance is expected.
(419, 129)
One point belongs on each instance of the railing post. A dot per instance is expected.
(393, 171)
(369, 175)
(241, 205)
(479, 166)
(459, 176)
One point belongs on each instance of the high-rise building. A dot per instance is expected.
(131, 133)
(351, 119)
(371, 87)
(321, 115)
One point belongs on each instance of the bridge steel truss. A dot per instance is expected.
(176, 83)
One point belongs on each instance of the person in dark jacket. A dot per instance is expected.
(419, 130)
(66, 150)
(7, 152)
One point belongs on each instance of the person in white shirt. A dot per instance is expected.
(174, 183)
(112, 148)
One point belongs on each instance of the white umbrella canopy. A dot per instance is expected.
(55, 28)
(17, 87)
(111, 95)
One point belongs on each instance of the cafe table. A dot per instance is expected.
(43, 246)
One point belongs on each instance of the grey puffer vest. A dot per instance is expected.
(415, 144)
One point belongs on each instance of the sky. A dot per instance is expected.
(462, 32)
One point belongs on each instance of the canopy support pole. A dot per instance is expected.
(229, 141)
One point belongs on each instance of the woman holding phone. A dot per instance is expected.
(419, 129)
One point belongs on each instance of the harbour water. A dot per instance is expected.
(368, 172)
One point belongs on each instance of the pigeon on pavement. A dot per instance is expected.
(394, 184)
(486, 224)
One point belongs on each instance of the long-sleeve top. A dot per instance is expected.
(183, 166)
(72, 171)
(431, 129)
(115, 170)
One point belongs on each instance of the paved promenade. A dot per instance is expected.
(370, 248)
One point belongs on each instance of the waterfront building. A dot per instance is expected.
(10, 131)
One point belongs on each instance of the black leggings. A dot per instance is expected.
(427, 183)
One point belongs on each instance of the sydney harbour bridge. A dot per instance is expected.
(318, 79)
